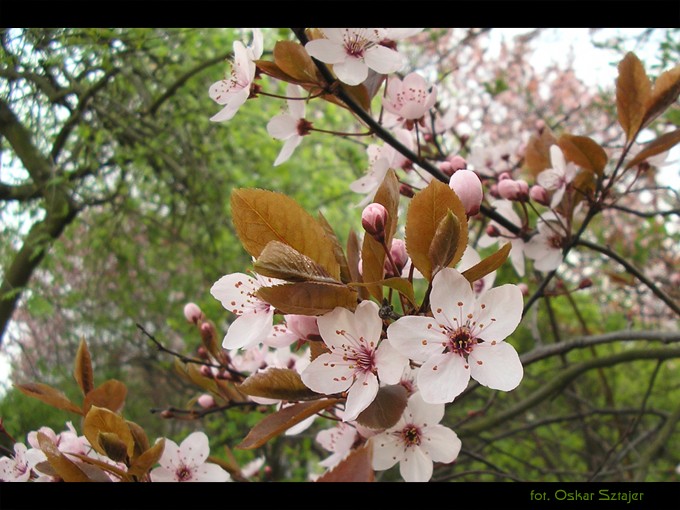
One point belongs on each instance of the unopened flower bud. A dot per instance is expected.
(457, 163)
(468, 187)
(305, 326)
(504, 176)
(675, 279)
(524, 288)
(193, 313)
(446, 168)
(166, 414)
(540, 125)
(513, 190)
(398, 254)
(206, 401)
(492, 231)
(202, 352)
(585, 283)
(406, 190)
(539, 194)
(374, 220)
(205, 371)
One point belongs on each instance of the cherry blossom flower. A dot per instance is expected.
(411, 98)
(296, 328)
(545, 248)
(358, 361)
(416, 442)
(237, 293)
(290, 126)
(232, 92)
(352, 51)
(18, 468)
(464, 338)
(558, 177)
(337, 440)
(187, 462)
(381, 158)
(504, 208)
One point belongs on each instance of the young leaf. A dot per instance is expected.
(271, 69)
(633, 92)
(489, 264)
(401, 285)
(278, 383)
(110, 394)
(308, 298)
(345, 276)
(356, 467)
(62, 465)
(444, 243)
(353, 258)
(280, 421)
(665, 93)
(537, 153)
(140, 438)
(425, 213)
(584, 152)
(278, 260)
(261, 216)
(100, 420)
(83, 368)
(113, 447)
(49, 396)
(147, 460)
(386, 409)
(657, 146)
(316, 349)
(372, 252)
(293, 59)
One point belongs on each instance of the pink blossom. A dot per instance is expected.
(558, 177)
(546, 247)
(411, 98)
(237, 293)
(338, 440)
(187, 462)
(232, 92)
(416, 441)
(18, 468)
(358, 362)
(468, 187)
(296, 328)
(291, 126)
(352, 51)
(464, 338)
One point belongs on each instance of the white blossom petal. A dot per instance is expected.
(360, 395)
(334, 322)
(282, 126)
(427, 414)
(443, 377)
(288, 149)
(236, 292)
(351, 71)
(387, 451)
(383, 60)
(209, 472)
(326, 50)
(452, 298)
(390, 363)
(416, 466)
(417, 338)
(369, 324)
(161, 474)
(195, 449)
(441, 444)
(328, 374)
(496, 366)
(249, 329)
(500, 311)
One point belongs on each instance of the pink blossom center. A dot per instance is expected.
(303, 127)
(411, 435)
(184, 474)
(461, 341)
(361, 357)
(356, 44)
(555, 241)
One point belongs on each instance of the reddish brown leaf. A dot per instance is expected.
(49, 396)
(444, 244)
(633, 92)
(386, 408)
(372, 252)
(353, 258)
(147, 460)
(280, 421)
(62, 465)
(657, 146)
(489, 264)
(293, 59)
(308, 298)
(665, 93)
(537, 153)
(584, 152)
(83, 368)
(356, 467)
(278, 260)
(139, 437)
(100, 420)
(345, 276)
(277, 383)
(110, 394)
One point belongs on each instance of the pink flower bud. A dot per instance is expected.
(206, 401)
(492, 231)
(457, 163)
(406, 190)
(205, 371)
(513, 190)
(675, 279)
(374, 219)
(398, 253)
(193, 313)
(539, 194)
(446, 168)
(304, 326)
(493, 191)
(585, 283)
(524, 288)
(468, 187)
(504, 176)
